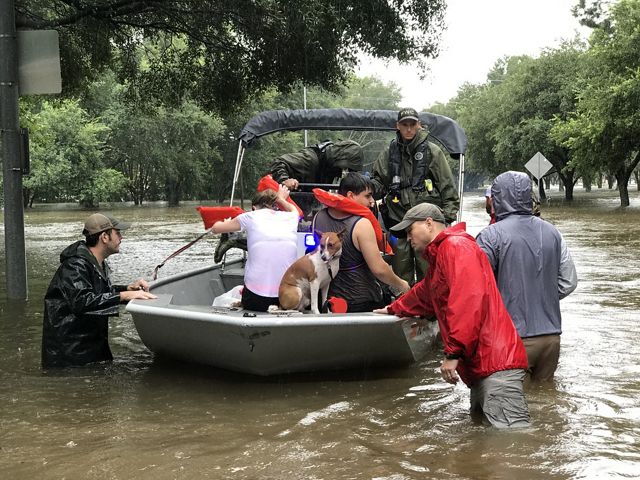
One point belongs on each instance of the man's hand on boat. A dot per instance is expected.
(382, 311)
(138, 290)
(291, 183)
(138, 285)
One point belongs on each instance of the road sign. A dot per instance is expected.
(538, 165)
(38, 62)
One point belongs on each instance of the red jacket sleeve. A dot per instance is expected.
(415, 303)
(465, 301)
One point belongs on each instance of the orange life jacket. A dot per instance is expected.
(346, 205)
(211, 215)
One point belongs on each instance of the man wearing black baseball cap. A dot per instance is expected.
(481, 345)
(80, 298)
(412, 171)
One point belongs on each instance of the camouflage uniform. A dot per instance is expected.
(322, 163)
(439, 189)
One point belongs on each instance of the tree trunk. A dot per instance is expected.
(636, 175)
(567, 180)
(25, 198)
(173, 199)
(89, 203)
(623, 187)
(623, 174)
(541, 193)
(173, 191)
(610, 181)
(587, 180)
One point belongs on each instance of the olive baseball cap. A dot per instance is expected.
(99, 222)
(418, 213)
(408, 114)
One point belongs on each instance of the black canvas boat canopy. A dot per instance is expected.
(443, 129)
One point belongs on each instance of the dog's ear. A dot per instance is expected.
(341, 233)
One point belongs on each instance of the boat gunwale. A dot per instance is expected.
(261, 320)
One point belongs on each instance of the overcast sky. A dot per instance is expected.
(479, 32)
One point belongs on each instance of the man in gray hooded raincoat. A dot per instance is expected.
(533, 269)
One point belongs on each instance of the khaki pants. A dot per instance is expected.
(543, 353)
(406, 263)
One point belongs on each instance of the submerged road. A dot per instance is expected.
(140, 419)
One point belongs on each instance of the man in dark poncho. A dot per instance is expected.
(80, 298)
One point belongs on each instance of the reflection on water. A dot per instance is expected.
(140, 418)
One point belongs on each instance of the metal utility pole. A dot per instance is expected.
(304, 101)
(14, 245)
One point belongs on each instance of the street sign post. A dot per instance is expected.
(29, 64)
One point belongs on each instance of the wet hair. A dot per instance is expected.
(354, 182)
(92, 240)
(265, 199)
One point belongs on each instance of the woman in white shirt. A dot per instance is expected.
(271, 229)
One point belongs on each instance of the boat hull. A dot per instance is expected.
(181, 324)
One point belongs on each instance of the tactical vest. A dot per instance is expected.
(421, 161)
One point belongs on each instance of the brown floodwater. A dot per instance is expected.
(143, 419)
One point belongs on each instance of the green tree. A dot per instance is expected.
(188, 134)
(163, 152)
(605, 129)
(365, 92)
(467, 110)
(109, 186)
(67, 150)
(510, 118)
(220, 52)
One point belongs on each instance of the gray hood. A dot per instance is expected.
(511, 194)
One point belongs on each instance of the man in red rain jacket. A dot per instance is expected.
(481, 344)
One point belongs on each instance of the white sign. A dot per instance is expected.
(538, 165)
(38, 62)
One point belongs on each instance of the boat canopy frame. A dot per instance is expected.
(443, 129)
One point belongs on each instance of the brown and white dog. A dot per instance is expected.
(311, 274)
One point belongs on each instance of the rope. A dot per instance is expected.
(176, 253)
